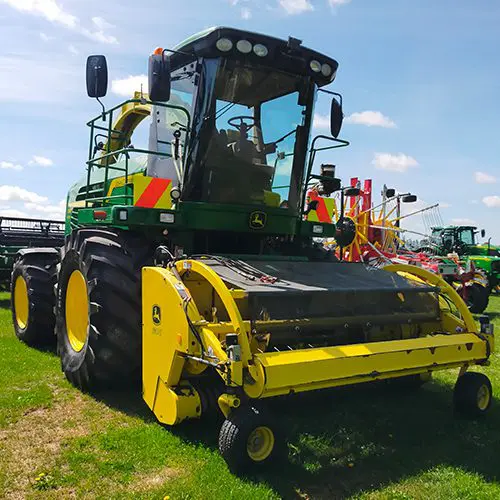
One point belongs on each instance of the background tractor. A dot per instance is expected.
(463, 241)
(194, 259)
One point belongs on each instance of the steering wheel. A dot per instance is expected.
(242, 127)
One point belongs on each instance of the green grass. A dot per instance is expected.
(367, 442)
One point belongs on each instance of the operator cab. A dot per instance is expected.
(455, 238)
(249, 101)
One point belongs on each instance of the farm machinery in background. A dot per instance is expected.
(462, 241)
(195, 262)
(379, 238)
(17, 233)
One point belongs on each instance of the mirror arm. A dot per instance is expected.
(103, 109)
(329, 92)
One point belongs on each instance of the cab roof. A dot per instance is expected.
(288, 55)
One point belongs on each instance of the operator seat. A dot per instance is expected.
(244, 149)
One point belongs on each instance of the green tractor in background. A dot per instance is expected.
(462, 240)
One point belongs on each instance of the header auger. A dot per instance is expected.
(196, 258)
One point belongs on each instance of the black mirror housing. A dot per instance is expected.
(390, 193)
(483, 233)
(352, 191)
(336, 118)
(409, 198)
(159, 77)
(97, 76)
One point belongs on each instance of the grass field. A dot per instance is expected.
(369, 443)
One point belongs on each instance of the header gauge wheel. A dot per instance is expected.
(249, 437)
(473, 394)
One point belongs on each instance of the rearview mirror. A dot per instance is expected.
(483, 233)
(159, 77)
(390, 193)
(97, 76)
(352, 191)
(409, 198)
(336, 118)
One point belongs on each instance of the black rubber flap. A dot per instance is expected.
(263, 277)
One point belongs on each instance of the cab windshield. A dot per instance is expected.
(246, 126)
(467, 236)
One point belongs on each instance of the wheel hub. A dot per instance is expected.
(77, 311)
(483, 397)
(260, 443)
(21, 302)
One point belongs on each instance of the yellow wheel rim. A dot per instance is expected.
(77, 311)
(260, 443)
(21, 302)
(483, 397)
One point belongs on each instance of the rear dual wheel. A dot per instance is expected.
(98, 307)
(34, 276)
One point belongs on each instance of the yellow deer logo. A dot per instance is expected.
(156, 315)
(257, 220)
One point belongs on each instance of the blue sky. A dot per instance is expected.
(420, 80)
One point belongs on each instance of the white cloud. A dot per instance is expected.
(463, 221)
(44, 8)
(49, 211)
(15, 193)
(100, 36)
(12, 212)
(101, 23)
(41, 161)
(127, 86)
(246, 13)
(321, 121)
(10, 165)
(492, 201)
(284, 167)
(46, 38)
(73, 49)
(394, 163)
(483, 178)
(52, 12)
(337, 3)
(370, 119)
(292, 7)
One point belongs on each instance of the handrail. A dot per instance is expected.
(108, 159)
(312, 156)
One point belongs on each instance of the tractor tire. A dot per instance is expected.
(98, 308)
(249, 438)
(478, 297)
(34, 276)
(473, 395)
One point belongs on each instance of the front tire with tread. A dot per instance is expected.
(110, 261)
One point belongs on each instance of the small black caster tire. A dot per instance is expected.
(473, 395)
(248, 438)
